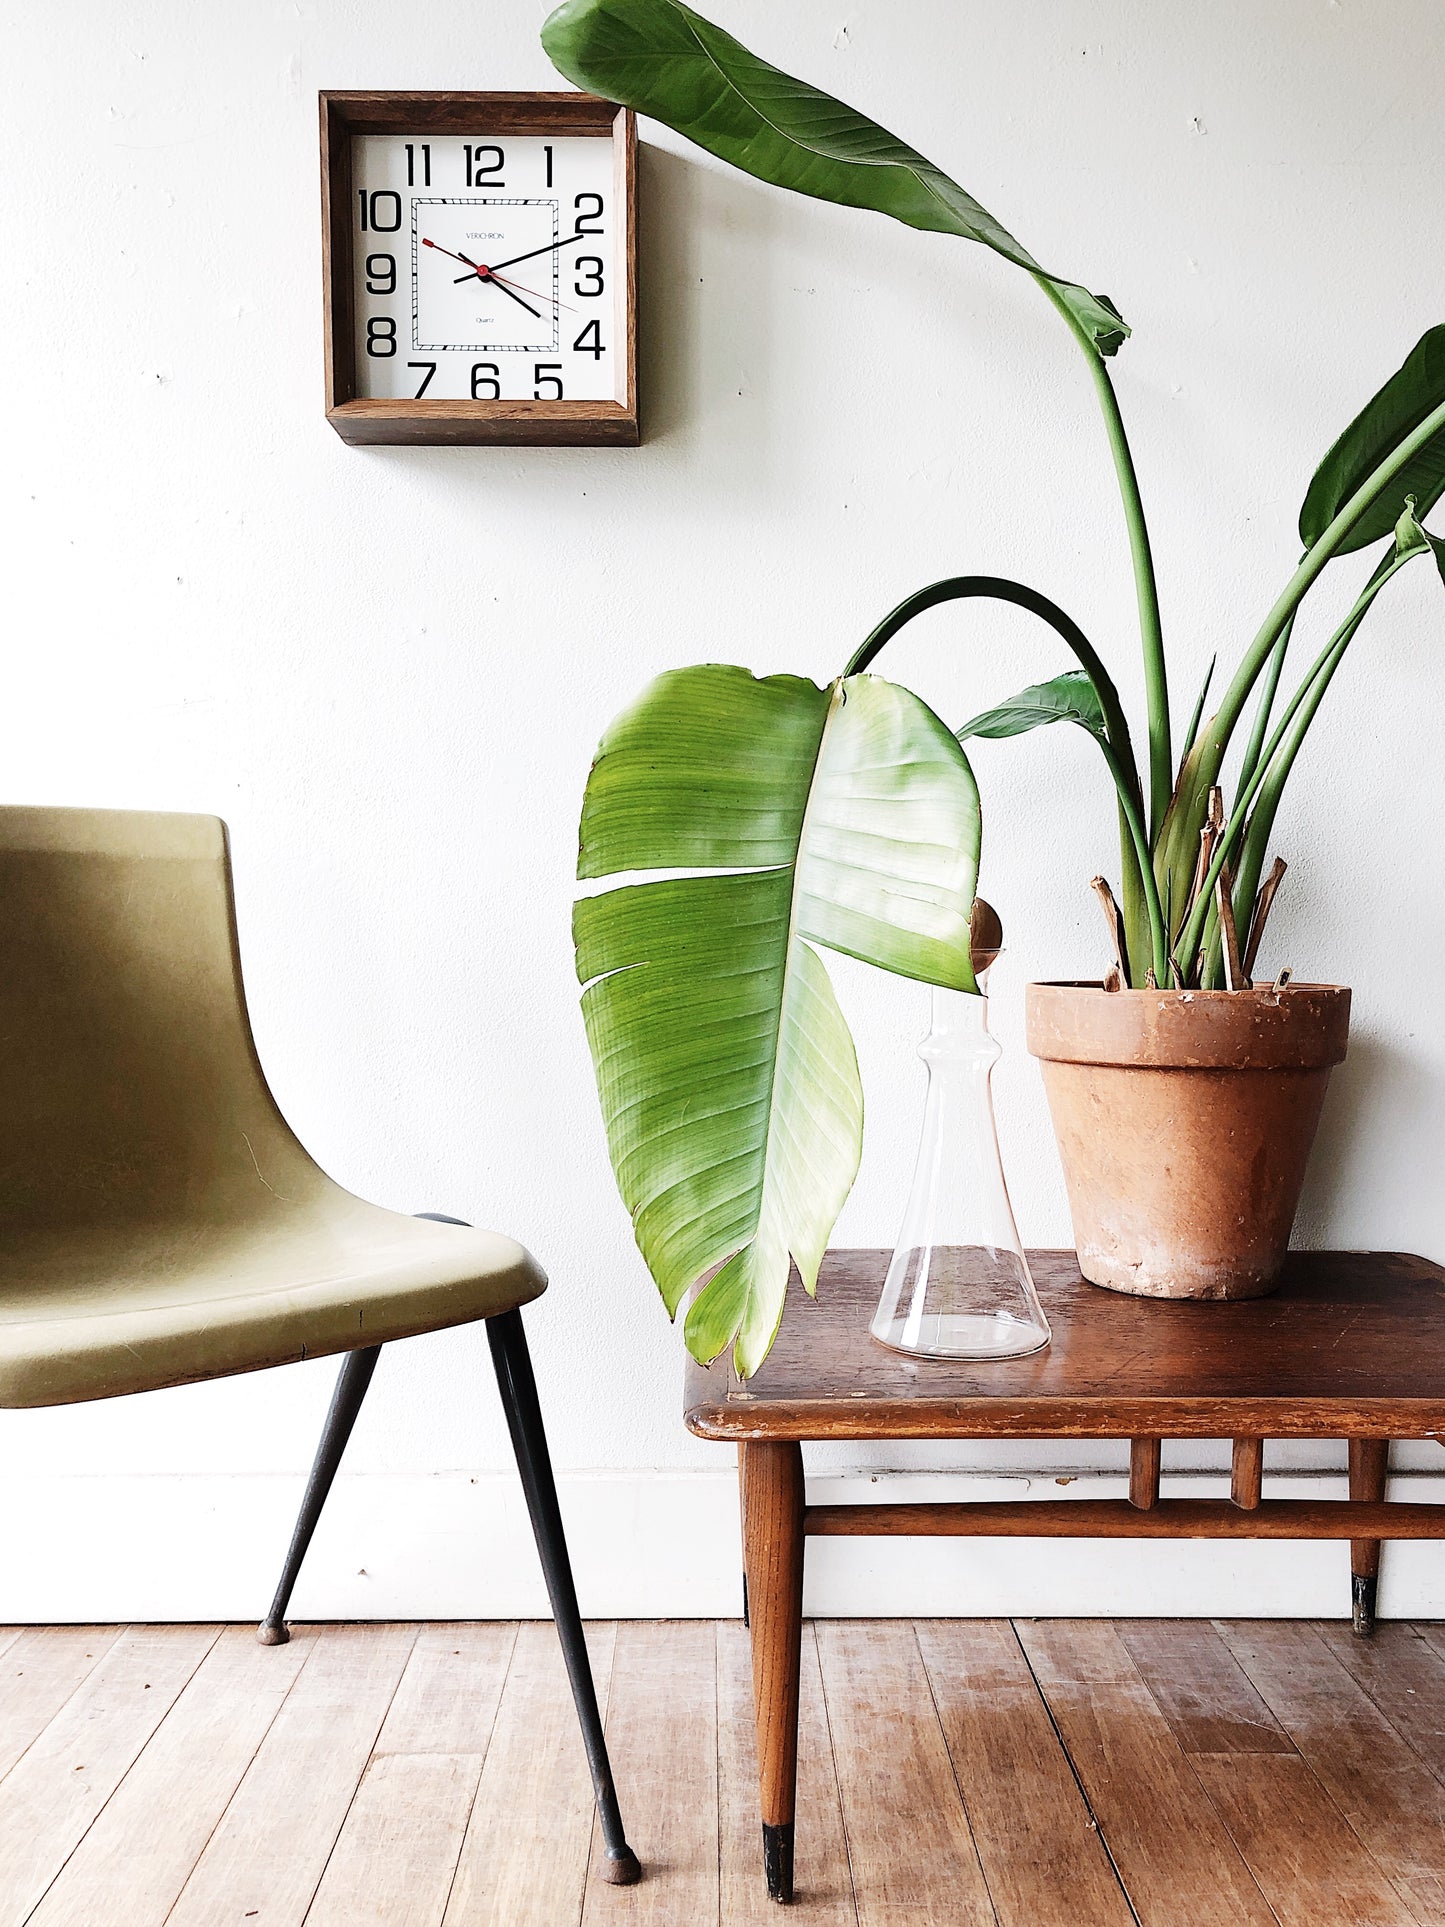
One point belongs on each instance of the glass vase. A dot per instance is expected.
(959, 1284)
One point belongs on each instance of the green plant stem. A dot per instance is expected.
(1267, 695)
(1129, 810)
(1146, 589)
(1138, 883)
(1311, 565)
(1307, 699)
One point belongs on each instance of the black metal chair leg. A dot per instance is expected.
(529, 1441)
(351, 1384)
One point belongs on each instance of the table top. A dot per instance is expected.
(1352, 1345)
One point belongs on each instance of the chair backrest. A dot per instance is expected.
(130, 1090)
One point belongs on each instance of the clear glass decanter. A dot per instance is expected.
(959, 1284)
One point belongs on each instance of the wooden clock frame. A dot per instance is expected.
(367, 420)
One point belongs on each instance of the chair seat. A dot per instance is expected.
(96, 1311)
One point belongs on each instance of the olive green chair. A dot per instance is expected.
(160, 1224)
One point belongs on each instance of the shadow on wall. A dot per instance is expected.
(1377, 1083)
(705, 320)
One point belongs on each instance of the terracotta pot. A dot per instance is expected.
(1184, 1121)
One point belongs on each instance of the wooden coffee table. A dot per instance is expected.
(1352, 1347)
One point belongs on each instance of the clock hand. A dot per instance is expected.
(520, 286)
(483, 273)
(551, 245)
(456, 257)
(516, 297)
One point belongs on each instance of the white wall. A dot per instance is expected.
(388, 670)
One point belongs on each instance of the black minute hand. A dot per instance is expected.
(551, 245)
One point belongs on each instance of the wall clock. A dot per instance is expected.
(479, 268)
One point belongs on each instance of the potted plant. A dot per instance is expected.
(1185, 1098)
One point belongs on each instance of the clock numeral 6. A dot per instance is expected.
(591, 266)
(377, 207)
(590, 342)
(486, 381)
(547, 374)
(587, 218)
(381, 274)
(381, 336)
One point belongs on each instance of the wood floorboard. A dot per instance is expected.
(909, 1843)
(823, 1893)
(526, 1849)
(40, 1670)
(1310, 1865)
(1199, 1687)
(265, 1860)
(662, 1738)
(137, 1856)
(1174, 1854)
(1377, 1779)
(952, 1773)
(396, 1857)
(1042, 1856)
(1405, 1676)
(53, 1794)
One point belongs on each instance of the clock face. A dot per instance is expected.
(485, 270)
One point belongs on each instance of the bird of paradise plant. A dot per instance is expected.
(1192, 900)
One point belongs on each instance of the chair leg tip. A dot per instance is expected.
(621, 1867)
(1362, 1605)
(778, 1861)
(273, 1632)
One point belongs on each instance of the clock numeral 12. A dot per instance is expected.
(476, 171)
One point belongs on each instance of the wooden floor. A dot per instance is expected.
(959, 1772)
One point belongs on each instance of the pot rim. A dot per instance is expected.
(1304, 1027)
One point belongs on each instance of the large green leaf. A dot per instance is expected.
(1068, 698)
(845, 816)
(667, 61)
(1401, 406)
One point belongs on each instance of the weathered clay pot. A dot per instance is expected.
(1184, 1121)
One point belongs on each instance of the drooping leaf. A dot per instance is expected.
(846, 817)
(666, 61)
(1067, 698)
(1414, 391)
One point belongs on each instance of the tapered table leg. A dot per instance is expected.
(743, 1528)
(772, 1484)
(1369, 1467)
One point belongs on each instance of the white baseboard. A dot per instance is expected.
(644, 1545)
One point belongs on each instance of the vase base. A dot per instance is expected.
(962, 1335)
